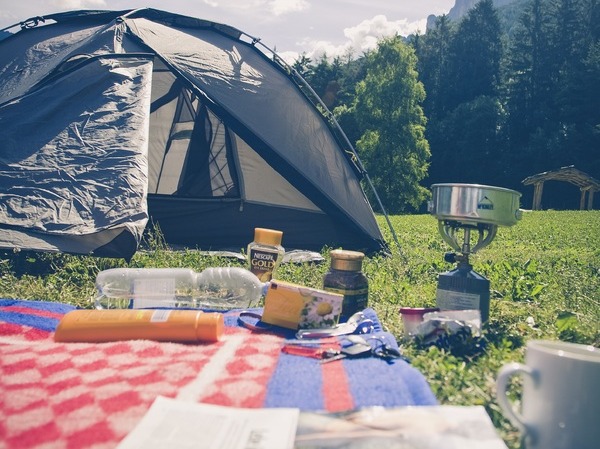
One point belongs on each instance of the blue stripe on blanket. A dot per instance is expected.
(32, 319)
(294, 382)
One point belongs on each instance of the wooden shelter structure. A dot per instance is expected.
(587, 185)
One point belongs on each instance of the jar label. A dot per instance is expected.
(349, 292)
(355, 300)
(262, 264)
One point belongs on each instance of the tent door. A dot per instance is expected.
(191, 151)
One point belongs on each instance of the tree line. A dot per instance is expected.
(481, 100)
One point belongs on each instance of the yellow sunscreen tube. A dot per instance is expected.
(139, 324)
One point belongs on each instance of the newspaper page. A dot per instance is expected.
(424, 427)
(174, 424)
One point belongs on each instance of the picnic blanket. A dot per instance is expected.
(64, 395)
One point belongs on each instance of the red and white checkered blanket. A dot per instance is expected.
(76, 395)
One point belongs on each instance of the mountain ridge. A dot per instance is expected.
(462, 7)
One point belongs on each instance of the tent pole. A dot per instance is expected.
(387, 218)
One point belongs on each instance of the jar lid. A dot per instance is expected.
(346, 260)
(342, 254)
(417, 310)
(268, 236)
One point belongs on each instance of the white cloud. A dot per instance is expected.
(359, 39)
(236, 5)
(281, 7)
(288, 56)
(79, 4)
(268, 7)
(371, 30)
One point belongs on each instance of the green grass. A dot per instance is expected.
(544, 274)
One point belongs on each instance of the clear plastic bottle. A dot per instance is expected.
(265, 253)
(219, 288)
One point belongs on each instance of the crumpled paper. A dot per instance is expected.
(456, 331)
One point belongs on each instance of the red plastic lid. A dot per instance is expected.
(417, 310)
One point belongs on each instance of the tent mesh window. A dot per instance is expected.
(190, 148)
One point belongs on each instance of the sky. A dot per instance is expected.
(290, 27)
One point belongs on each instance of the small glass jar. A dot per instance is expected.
(345, 277)
(413, 316)
(265, 253)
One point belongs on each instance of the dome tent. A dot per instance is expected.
(110, 120)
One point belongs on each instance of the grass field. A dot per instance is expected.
(544, 274)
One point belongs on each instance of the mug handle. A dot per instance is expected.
(504, 376)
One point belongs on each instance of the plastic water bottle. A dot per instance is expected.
(220, 288)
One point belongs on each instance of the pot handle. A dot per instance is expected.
(504, 376)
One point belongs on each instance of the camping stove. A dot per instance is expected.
(468, 219)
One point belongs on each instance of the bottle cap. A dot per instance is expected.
(346, 260)
(209, 326)
(268, 236)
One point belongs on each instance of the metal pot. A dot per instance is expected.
(473, 203)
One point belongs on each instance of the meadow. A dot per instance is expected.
(544, 274)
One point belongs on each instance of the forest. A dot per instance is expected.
(497, 96)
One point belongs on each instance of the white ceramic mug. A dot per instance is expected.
(561, 395)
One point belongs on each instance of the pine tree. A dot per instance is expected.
(476, 51)
(433, 55)
(529, 88)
